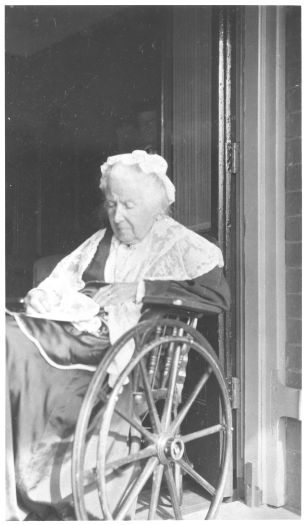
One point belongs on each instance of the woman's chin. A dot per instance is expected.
(125, 238)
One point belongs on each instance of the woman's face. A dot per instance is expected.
(130, 210)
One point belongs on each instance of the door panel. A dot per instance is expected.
(197, 140)
(192, 116)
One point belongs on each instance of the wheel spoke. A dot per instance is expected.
(154, 374)
(155, 491)
(149, 436)
(183, 412)
(202, 433)
(142, 454)
(173, 492)
(166, 417)
(137, 487)
(153, 413)
(178, 481)
(204, 483)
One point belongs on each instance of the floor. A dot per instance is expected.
(237, 510)
(194, 508)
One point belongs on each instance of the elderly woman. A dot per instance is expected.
(91, 298)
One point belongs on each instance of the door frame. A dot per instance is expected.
(230, 221)
(268, 401)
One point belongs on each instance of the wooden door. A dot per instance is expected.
(198, 139)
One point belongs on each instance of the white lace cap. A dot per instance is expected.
(148, 163)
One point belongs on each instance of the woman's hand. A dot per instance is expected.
(39, 301)
(116, 293)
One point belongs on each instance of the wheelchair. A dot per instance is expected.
(166, 341)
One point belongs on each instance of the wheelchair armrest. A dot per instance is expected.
(178, 307)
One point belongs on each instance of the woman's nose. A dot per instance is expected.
(118, 213)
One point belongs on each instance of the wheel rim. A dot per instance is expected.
(165, 446)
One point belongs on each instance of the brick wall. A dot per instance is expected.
(293, 196)
(293, 254)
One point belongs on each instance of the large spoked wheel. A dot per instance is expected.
(159, 415)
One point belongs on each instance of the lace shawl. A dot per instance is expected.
(169, 252)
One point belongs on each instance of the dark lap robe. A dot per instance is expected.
(44, 405)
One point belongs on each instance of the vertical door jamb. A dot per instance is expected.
(268, 400)
(225, 186)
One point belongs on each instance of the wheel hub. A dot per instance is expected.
(176, 449)
(170, 448)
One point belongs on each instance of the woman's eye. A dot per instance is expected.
(129, 205)
(110, 204)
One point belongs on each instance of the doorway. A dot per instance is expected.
(126, 78)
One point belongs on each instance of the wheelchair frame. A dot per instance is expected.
(157, 372)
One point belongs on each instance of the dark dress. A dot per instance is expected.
(45, 400)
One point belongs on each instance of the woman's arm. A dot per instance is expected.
(209, 289)
(66, 277)
(204, 292)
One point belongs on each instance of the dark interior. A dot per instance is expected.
(82, 83)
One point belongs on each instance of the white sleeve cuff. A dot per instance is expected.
(140, 292)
